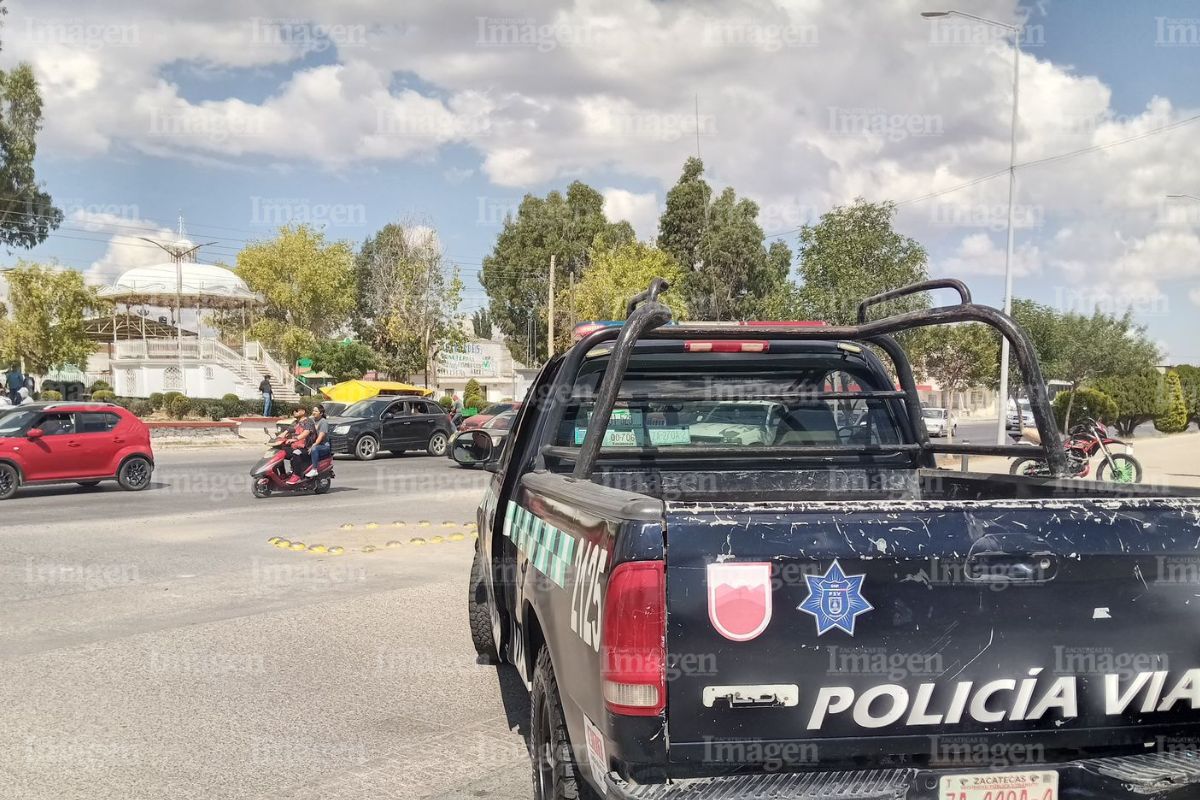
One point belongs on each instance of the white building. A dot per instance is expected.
(486, 361)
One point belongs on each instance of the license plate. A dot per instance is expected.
(621, 438)
(1030, 785)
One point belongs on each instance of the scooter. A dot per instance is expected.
(271, 473)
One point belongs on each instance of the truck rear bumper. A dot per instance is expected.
(1162, 776)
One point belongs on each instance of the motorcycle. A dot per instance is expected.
(1083, 442)
(271, 473)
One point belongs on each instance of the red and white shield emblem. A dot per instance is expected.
(739, 599)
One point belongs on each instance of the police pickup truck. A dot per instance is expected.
(816, 610)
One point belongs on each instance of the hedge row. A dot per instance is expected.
(176, 406)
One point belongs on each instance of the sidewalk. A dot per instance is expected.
(1172, 460)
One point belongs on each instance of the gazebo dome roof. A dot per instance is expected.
(205, 285)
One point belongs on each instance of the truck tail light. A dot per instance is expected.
(726, 347)
(633, 641)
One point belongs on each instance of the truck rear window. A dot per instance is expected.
(759, 401)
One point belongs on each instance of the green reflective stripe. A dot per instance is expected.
(566, 556)
(550, 551)
(508, 518)
(546, 538)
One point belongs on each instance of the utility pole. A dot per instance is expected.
(550, 338)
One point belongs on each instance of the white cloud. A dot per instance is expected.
(125, 249)
(977, 254)
(639, 210)
(1194, 296)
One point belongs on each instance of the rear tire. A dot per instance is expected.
(1027, 466)
(437, 444)
(10, 479)
(1128, 470)
(366, 448)
(321, 486)
(135, 474)
(556, 776)
(261, 488)
(478, 614)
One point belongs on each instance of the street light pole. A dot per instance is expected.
(1002, 394)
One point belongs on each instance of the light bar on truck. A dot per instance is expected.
(723, 346)
(584, 328)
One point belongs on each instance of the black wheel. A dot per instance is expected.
(366, 448)
(9, 481)
(321, 486)
(556, 776)
(1032, 467)
(477, 612)
(1126, 469)
(261, 488)
(437, 444)
(134, 474)
(89, 484)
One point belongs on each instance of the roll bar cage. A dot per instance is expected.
(647, 318)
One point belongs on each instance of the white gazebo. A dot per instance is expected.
(198, 365)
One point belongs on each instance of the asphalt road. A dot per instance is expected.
(155, 645)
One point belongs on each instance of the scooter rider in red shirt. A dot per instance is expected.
(302, 436)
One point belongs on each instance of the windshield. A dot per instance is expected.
(363, 408)
(934, 413)
(501, 422)
(496, 408)
(13, 422)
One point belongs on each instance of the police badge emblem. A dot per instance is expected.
(835, 599)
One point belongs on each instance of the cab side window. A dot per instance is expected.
(56, 424)
(397, 409)
(97, 422)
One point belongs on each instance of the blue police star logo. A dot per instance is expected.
(835, 599)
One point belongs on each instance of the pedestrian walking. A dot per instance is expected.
(13, 382)
(265, 388)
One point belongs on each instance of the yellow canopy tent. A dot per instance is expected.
(353, 391)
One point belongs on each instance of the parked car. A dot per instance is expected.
(73, 442)
(497, 428)
(939, 423)
(690, 620)
(1017, 420)
(392, 423)
(495, 409)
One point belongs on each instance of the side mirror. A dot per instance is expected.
(34, 433)
(474, 448)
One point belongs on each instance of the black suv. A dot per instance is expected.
(390, 423)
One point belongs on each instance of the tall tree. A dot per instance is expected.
(27, 214)
(853, 252)
(308, 284)
(43, 328)
(481, 323)
(1140, 397)
(344, 360)
(728, 272)
(516, 274)
(959, 357)
(617, 274)
(409, 298)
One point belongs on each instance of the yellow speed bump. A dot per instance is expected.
(336, 551)
(470, 525)
(368, 548)
(349, 526)
(284, 543)
(449, 524)
(394, 543)
(273, 540)
(399, 523)
(416, 540)
(298, 546)
(436, 540)
(455, 537)
(372, 526)
(318, 548)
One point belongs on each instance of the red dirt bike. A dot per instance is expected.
(271, 473)
(1083, 442)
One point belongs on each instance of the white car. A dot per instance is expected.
(938, 422)
(747, 422)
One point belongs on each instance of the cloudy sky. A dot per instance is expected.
(243, 114)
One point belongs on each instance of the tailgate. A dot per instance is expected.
(824, 632)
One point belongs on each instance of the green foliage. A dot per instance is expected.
(516, 273)
(169, 396)
(100, 386)
(103, 395)
(959, 356)
(48, 306)
(727, 271)
(344, 360)
(142, 408)
(230, 397)
(1174, 416)
(482, 323)
(51, 394)
(1189, 379)
(408, 298)
(214, 411)
(156, 400)
(446, 402)
(851, 253)
(617, 274)
(474, 395)
(27, 214)
(1140, 397)
(1076, 405)
(308, 284)
(176, 405)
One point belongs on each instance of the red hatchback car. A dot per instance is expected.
(63, 442)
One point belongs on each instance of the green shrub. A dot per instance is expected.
(156, 400)
(474, 395)
(215, 412)
(100, 386)
(103, 395)
(50, 394)
(446, 402)
(167, 397)
(1174, 417)
(142, 408)
(1189, 378)
(1088, 403)
(177, 407)
(1139, 398)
